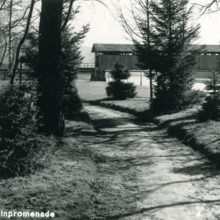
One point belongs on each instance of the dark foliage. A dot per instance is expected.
(20, 142)
(70, 60)
(71, 104)
(117, 88)
(120, 90)
(211, 106)
(62, 91)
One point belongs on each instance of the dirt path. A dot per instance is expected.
(151, 175)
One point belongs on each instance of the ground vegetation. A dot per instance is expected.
(21, 144)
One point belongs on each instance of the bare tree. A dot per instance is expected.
(2, 4)
(16, 16)
(22, 41)
(210, 7)
(138, 28)
(4, 47)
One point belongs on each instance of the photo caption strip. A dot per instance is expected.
(27, 214)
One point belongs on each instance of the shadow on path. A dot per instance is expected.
(152, 171)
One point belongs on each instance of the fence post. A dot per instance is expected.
(140, 78)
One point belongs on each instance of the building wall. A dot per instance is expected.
(106, 62)
(207, 62)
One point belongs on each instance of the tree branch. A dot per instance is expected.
(68, 15)
(207, 7)
(22, 41)
(2, 5)
(3, 55)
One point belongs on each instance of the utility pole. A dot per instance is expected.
(149, 49)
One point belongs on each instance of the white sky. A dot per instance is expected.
(106, 29)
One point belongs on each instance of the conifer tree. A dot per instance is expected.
(175, 56)
(71, 59)
(118, 89)
(211, 106)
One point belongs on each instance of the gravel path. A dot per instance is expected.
(163, 178)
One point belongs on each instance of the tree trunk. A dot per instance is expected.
(10, 39)
(49, 82)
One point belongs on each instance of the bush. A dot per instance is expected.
(20, 143)
(71, 104)
(210, 110)
(117, 88)
(211, 107)
(120, 90)
(171, 103)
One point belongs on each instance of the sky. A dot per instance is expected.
(104, 27)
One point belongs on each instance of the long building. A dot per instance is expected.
(107, 54)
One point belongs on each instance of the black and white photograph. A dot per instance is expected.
(110, 109)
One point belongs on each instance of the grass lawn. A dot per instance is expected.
(63, 187)
(95, 91)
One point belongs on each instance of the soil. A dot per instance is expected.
(146, 174)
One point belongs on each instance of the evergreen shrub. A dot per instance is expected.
(19, 140)
(118, 89)
(71, 104)
(171, 103)
(211, 106)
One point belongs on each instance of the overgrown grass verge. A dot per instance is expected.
(137, 108)
(77, 182)
(63, 187)
(203, 137)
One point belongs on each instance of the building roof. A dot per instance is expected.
(113, 48)
(207, 48)
(130, 48)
